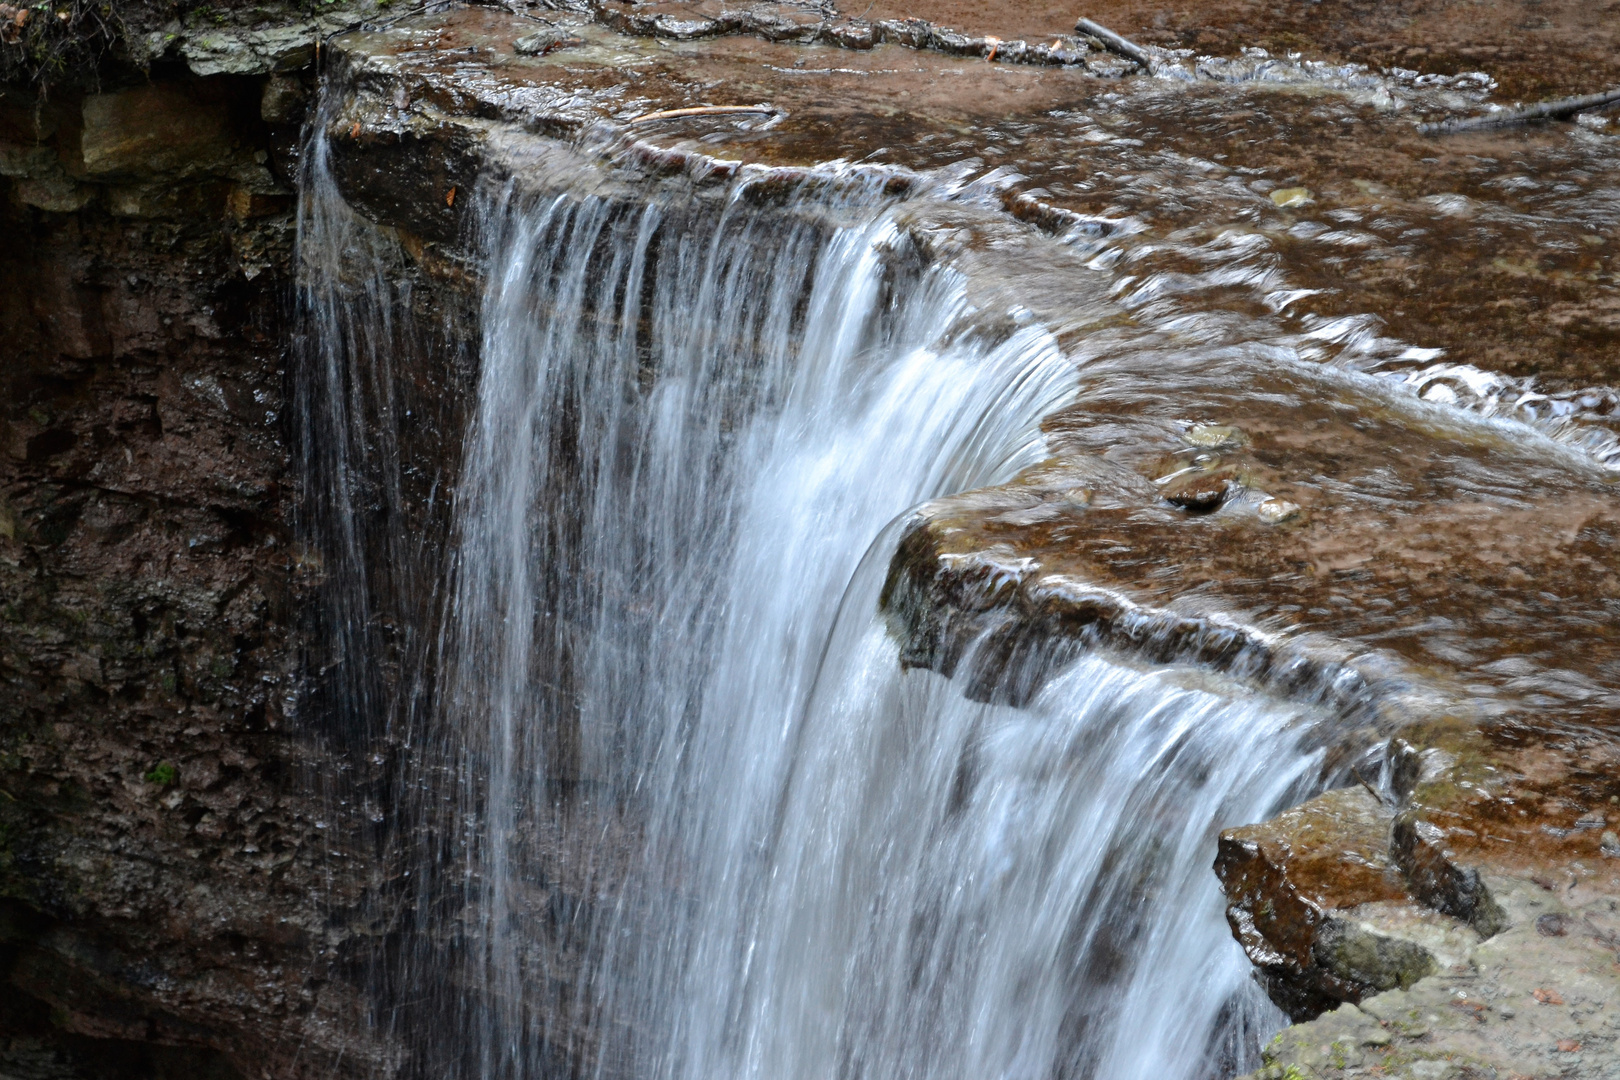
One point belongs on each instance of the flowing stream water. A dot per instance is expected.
(699, 419)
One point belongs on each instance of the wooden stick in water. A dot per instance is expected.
(1377, 798)
(1124, 46)
(1546, 110)
(702, 110)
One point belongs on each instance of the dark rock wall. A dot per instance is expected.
(168, 898)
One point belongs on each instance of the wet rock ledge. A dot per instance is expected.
(1449, 908)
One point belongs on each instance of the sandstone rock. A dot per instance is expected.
(1285, 881)
(1202, 491)
(282, 101)
(1523, 1003)
(57, 194)
(1105, 65)
(1275, 511)
(252, 52)
(781, 22)
(851, 34)
(28, 159)
(1357, 956)
(1418, 848)
(159, 200)
(666, 26)
(170, 916)
(550, 40)
(151, 130)
(1215, 436)
(913, 32)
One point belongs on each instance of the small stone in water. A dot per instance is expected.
(1199, 492)
(543, 41)
(1609, 844)
(1292, 196)
(1552, 924)
(1275, 511)
(1214, 435)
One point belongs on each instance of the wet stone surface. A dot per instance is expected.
(1523, 1003)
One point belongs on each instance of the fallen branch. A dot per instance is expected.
(1124, 46)
(1546, 110)
(1377, 798)
(703, 110)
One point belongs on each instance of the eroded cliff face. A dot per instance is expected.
(185, 889)
(169, 904)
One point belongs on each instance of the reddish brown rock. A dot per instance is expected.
(1286, 883)
(161, 129)
(1201, 491)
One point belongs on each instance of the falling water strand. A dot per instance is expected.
(695, 415)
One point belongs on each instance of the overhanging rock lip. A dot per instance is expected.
(946, 602)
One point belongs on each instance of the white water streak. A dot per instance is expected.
(692, 422)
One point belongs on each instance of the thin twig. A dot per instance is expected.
(373, 24)
(1546, 110)
(1124, 46)
(1379, 799)
(703, 110)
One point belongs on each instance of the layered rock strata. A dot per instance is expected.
(158, 850)
(184, 889)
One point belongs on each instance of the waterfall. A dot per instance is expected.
(676, 811)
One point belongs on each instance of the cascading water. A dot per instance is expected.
(692, 421)
(700, 414)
